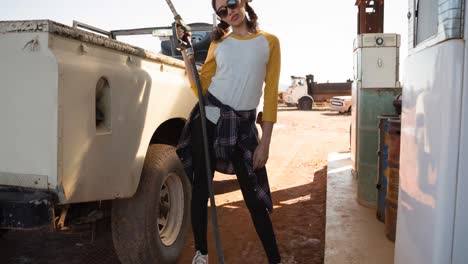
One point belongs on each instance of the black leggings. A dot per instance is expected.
(258, 212)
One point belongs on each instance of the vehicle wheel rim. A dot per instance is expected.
(306, 104)
(171, 209)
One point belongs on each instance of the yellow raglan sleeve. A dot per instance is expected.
(207, 71)
(270, 96)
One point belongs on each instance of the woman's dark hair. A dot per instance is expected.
(222, 28)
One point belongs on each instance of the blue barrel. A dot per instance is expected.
(382, 175)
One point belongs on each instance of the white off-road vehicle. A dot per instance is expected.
(88, 131)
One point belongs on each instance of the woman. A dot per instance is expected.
(240, 60)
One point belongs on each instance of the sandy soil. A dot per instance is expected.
(297, 174)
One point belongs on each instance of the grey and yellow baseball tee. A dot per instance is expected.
(237, 68)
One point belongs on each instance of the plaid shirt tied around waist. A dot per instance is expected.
(234, 130)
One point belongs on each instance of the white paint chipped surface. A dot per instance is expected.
(85, 36)
(24, 26)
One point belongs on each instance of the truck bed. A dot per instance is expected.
(78, 110)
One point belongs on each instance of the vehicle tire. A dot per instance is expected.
(151, 226)
(305, 103)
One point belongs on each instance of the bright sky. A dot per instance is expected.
(316, 36)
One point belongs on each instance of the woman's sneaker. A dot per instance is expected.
(199, 258)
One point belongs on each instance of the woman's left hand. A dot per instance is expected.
(260, 156)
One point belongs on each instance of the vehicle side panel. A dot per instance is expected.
(28, 111)
(99, 163)
(429, 153)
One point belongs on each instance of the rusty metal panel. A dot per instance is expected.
(370, 16)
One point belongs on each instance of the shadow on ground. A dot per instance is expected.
(46, 247)
(298, 218)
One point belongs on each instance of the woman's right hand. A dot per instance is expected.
(183, 35)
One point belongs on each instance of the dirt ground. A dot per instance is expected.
(297, 175)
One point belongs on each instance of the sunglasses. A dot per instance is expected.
(223, 11)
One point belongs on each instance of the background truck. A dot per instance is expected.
(88, 129)
(303, 91)
(298, 93)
